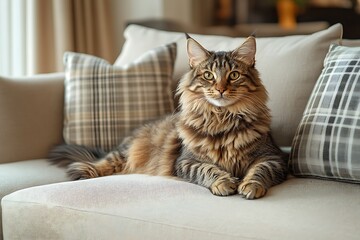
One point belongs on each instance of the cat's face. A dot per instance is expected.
(223, 78)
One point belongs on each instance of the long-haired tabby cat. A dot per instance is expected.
(219, 139)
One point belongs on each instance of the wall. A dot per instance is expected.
(180, 11)
(127, 10)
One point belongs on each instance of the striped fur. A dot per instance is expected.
(220, 138)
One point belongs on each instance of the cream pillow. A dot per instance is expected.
(289, 66)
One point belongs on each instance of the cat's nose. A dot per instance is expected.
(220, 88)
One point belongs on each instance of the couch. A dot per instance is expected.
(39, 201)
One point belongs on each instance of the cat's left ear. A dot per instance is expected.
(196, 52)
(246, 52)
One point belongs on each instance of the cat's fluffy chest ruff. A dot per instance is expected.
(221, 137)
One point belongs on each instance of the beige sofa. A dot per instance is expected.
(38, 201)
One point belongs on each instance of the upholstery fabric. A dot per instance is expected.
(350, 42)
(23, 174)
(327, 143)
(31, 116)
(104, 103)
(145, 207)
(288, 66)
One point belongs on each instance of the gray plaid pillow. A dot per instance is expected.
(104, 103)
(327, 142)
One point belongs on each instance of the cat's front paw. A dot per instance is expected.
(80, 170)
(251, 189)
(224, 187)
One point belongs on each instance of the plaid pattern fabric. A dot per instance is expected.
(104, 103)
(327, 142)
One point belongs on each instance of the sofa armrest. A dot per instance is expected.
(31, 116)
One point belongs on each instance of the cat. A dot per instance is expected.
(220, 137)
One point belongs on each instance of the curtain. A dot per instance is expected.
(36, 33)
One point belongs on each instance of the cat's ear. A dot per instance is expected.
(246, 52)
(196, 52)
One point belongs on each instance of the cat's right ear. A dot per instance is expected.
(196, 52)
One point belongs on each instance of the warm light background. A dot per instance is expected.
(36, 33)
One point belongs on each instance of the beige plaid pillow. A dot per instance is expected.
(104, 103)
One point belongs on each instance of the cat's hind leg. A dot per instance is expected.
(111, 164)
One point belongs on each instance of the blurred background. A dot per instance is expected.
(36, 33)
(267, 17)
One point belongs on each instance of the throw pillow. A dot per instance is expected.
(327, 142)
(288, 66)
(104, 103)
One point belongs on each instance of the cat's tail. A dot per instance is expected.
(64, 155)
(83, 162)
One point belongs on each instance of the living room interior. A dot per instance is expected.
(307, 55)
(58, 22)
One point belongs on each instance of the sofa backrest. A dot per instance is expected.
(31, 117)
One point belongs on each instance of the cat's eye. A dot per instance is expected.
(208, 75)
(234, 75)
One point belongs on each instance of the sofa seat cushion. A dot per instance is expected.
(145, 207)
(24, 174)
